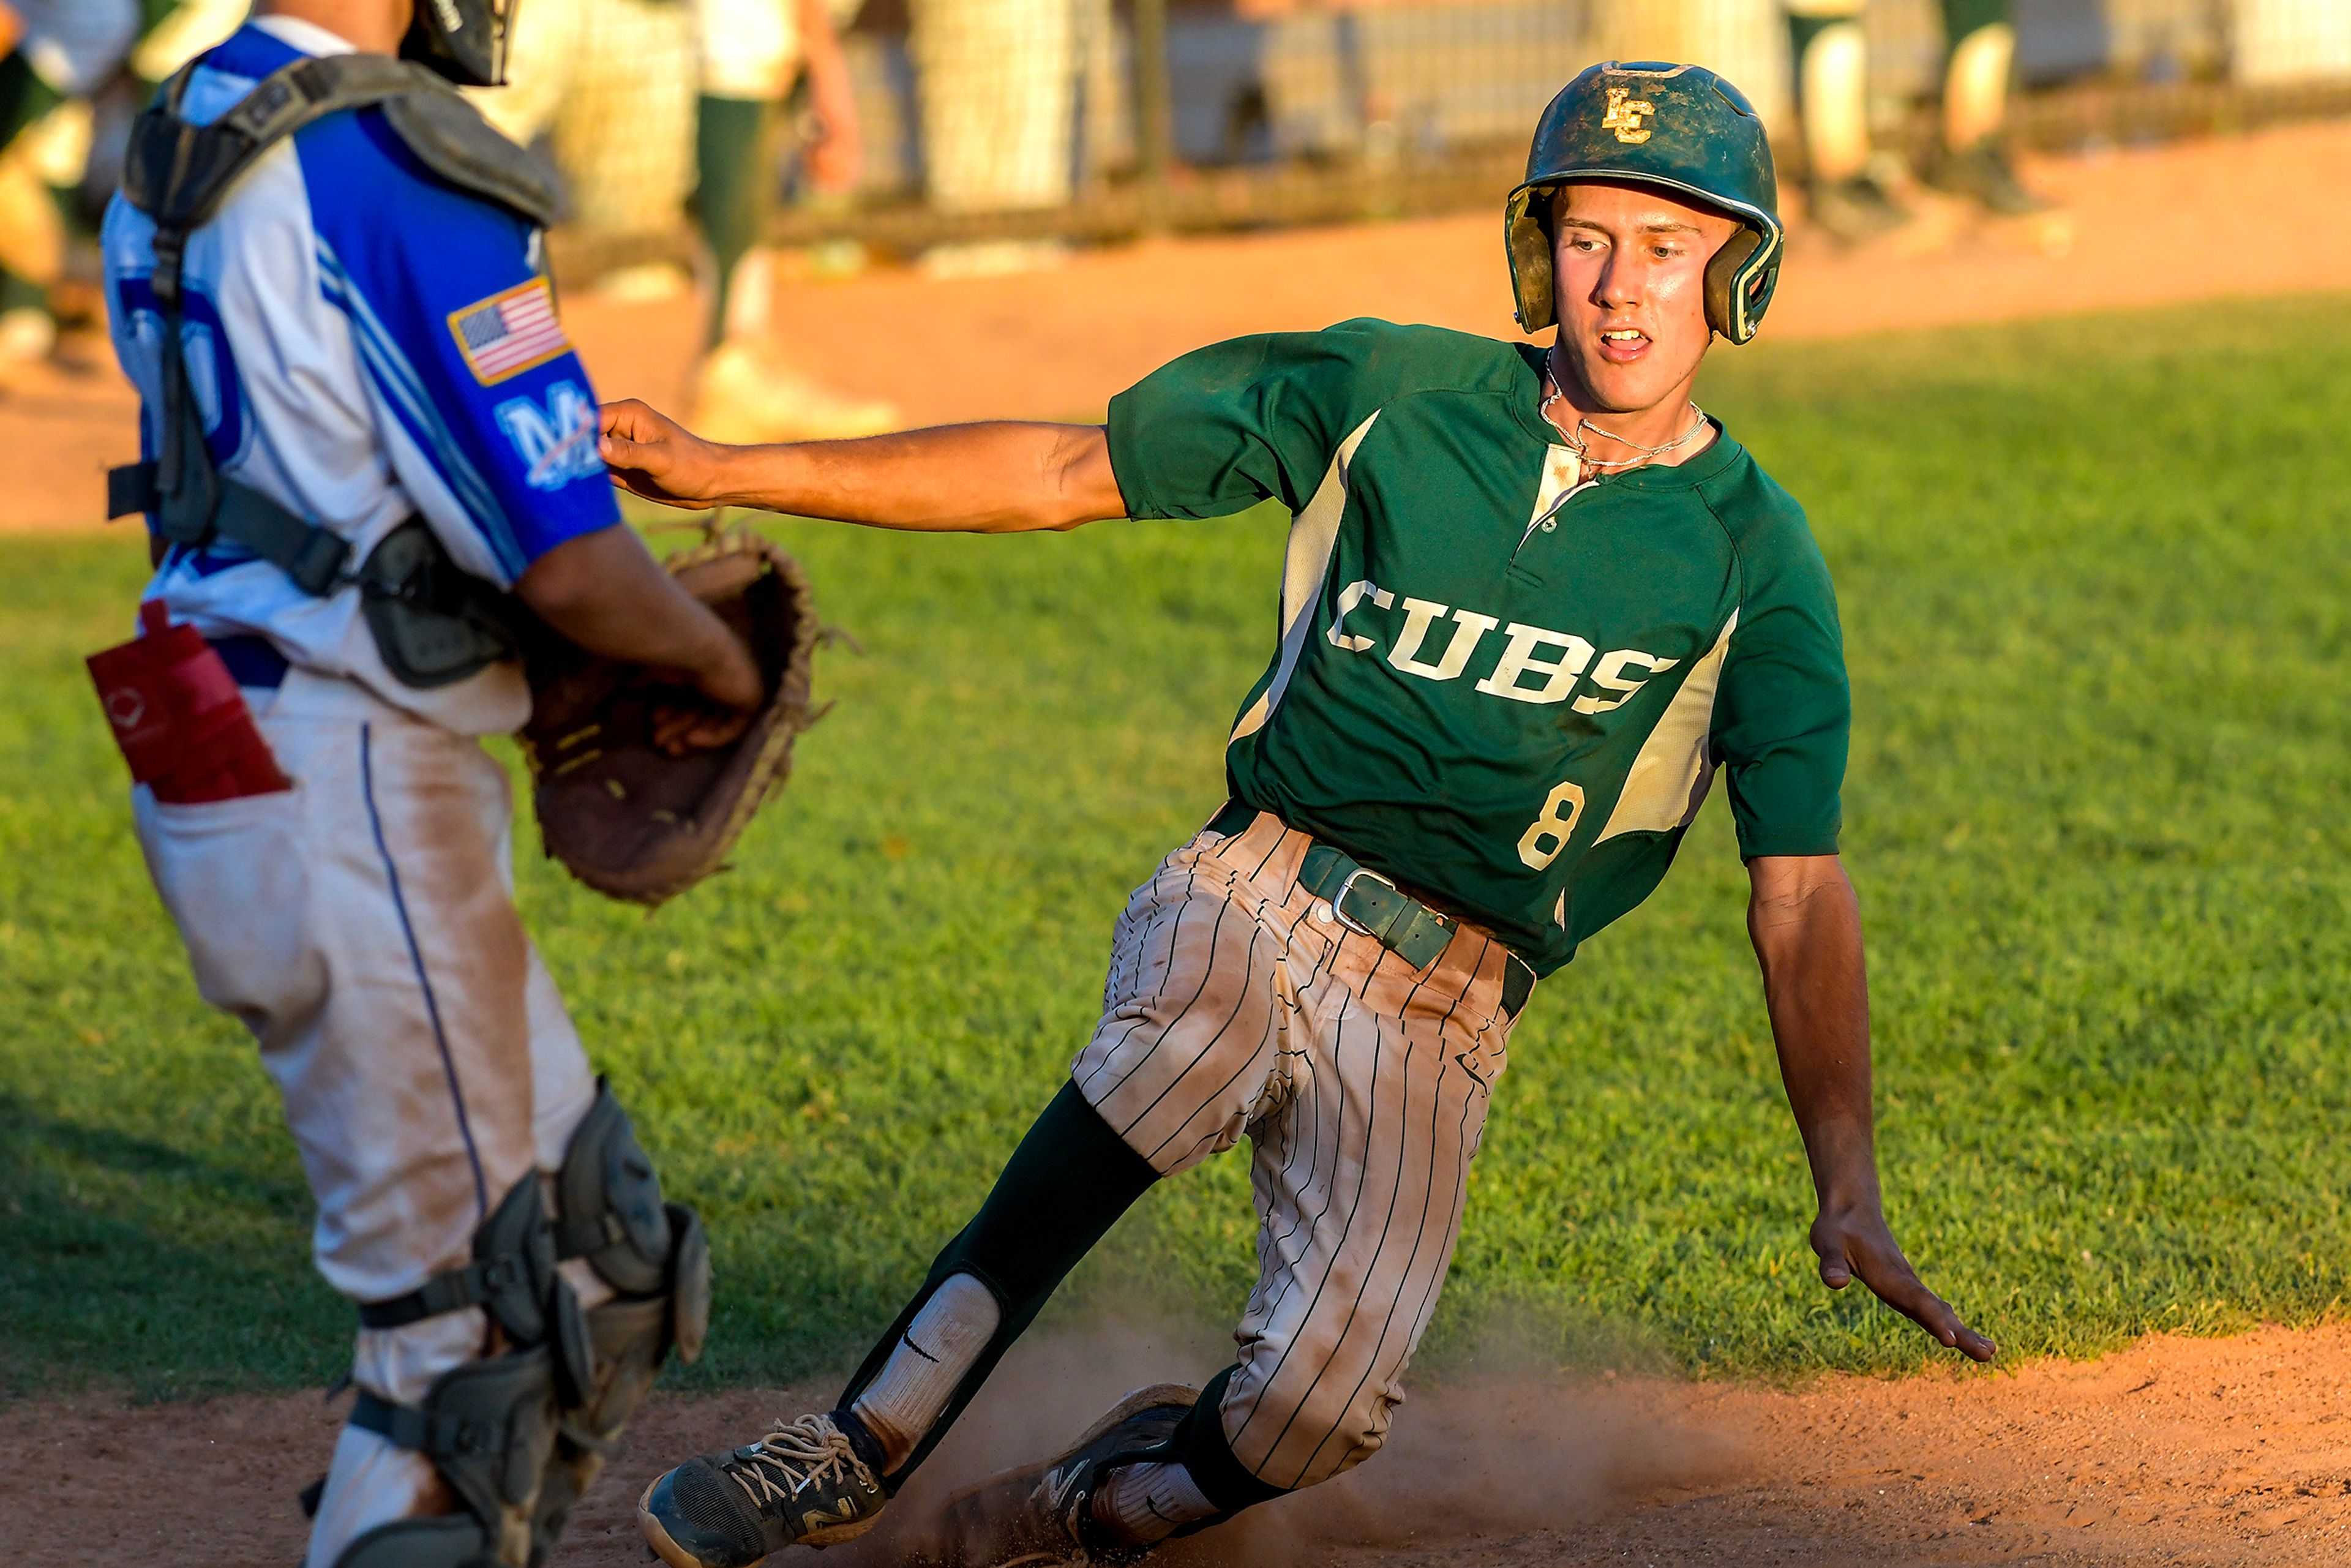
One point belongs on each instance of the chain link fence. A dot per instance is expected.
(1023, 120)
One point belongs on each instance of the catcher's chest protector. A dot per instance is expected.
(625, 817)
(433, 625)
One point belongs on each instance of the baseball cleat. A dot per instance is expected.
(1038, 1513)
(1984, 174)
(1856, 209)
(802, 1484)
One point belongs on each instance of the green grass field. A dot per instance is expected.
(2096, 586)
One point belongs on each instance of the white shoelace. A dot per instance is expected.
(801, 1453)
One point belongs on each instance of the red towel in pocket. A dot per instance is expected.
(180, 718)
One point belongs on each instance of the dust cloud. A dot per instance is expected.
(1502, 1445)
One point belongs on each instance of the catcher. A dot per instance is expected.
(372, 479)
(1534, 598)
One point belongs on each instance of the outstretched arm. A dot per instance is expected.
(1805, 923)
(1000, 478)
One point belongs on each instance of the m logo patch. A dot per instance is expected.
(1624, 116)
(556, 440)
(508, 333)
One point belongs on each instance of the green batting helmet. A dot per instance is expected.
(1680, 128)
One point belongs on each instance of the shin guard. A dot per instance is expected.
(656, 1256)
(1065, 1186)
(488, 1427)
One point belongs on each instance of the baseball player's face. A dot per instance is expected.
(1630, 271)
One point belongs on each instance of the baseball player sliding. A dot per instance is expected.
(370, 451)
(1533, 599)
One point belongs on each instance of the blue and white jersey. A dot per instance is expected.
(369, 343)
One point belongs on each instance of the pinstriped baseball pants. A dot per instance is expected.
(1237, 1004)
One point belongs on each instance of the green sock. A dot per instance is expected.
(24, 96)
(1802, 31)
(730, 202)
(1961, 17)
(18, 294)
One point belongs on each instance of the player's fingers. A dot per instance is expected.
(626, 455)
(635, 431)
(681, 730)
(718, 729)
(1901, 1289)
(632, 418)
(1828, 1240)
(671, 726)
(1934, 1314)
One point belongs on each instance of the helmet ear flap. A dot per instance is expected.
(1527, 237)
(1726, 276)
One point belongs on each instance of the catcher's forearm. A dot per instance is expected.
(998, 478)
(605, 592)
(1805, 923)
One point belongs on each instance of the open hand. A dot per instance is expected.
(1855, 1243)
(653, 456)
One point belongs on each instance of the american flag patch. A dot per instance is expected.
(509, 333)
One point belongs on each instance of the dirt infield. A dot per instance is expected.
(2140, 226)
(2181, 1451)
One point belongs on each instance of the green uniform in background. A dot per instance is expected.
(1503, 683)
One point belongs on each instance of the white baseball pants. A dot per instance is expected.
(362, 926)
(1237, 1004)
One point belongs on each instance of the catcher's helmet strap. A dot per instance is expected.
(463, 40)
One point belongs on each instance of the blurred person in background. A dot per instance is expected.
(53, 55)
(997, 81)
(754, 54)
(180, 30)
(68, 89)
(609, 87)
(1845, 185)
(1972, 159)
(649, 105)
(1848, 189)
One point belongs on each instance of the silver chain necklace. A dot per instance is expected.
(1584, 454)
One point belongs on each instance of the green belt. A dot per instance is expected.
(1367, 902)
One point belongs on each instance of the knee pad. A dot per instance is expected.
(609, 1201)
(613, 1217)
(655, 1255)
(512, 1276)
(489, 1428)
(596, 1365)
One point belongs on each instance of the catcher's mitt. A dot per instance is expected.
(625, 816)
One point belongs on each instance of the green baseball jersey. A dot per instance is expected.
(1501, 681)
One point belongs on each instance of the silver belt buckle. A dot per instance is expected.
(1338, 899)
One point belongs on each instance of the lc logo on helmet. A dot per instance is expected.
(1624, 116)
